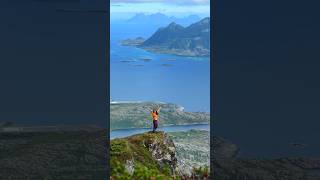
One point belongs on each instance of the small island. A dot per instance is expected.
(145, 59)
(132, 42)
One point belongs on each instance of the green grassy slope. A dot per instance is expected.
(128, 115)
(149, 154)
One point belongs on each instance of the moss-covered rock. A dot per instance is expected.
(143, 155)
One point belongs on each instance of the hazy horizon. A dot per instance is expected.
(133, 80)
(126, 16)
(124, 9)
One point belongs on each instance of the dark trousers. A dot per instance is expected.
(155, 125)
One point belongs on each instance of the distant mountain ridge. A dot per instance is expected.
(136, 115)
(162, 19)
(193, 40)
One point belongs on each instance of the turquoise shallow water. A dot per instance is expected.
(140, 75)
(174, 128)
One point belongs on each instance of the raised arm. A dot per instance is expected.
(159, 109)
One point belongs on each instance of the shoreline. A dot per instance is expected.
(160, 50)
(165, 125)
(180, 53)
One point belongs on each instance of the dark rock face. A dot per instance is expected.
(163, 36)
(163, 151)
(193, 40)
(227, 166)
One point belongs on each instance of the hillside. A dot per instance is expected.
(53, 155)
(193, 40)
(193, 149)
(128, 115)
(227, 166)
(144, 156)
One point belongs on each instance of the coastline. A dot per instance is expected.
(164, 125)
(163, 50)
(122, 133)
(181, 53)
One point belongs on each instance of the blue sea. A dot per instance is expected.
(120, 133)
(138, 75)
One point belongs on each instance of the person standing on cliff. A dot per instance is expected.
(155, 114)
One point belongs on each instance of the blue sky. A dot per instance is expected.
(169, 7)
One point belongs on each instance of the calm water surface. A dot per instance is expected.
(174, 128)
(140, 75)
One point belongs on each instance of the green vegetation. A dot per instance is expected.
(151, 156)
(200, 172)
(132, 157)
(129, 115)
(142, 153)
(141, 172)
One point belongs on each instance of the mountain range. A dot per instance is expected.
(162, 19)
(193, 40)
